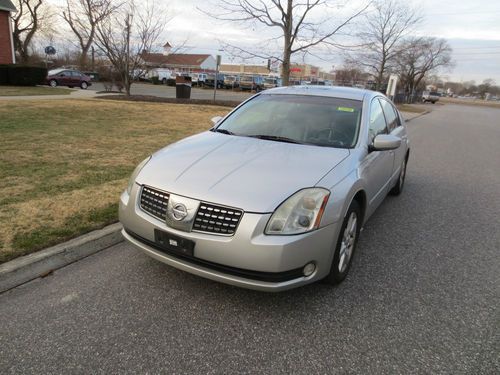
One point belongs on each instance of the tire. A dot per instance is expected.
(84, 85)
(53, 83)
(398, 188)
(164, 81)
(346, 245)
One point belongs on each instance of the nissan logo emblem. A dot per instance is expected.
(179, 212)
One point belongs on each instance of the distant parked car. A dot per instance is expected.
(271, 82)
(252, 83)
(198, 79)
(209, 80)
(430, 96)
(231, 82)
(68, 77)
(164, 75)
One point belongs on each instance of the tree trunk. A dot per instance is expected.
(287, 50)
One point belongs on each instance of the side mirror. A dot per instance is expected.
(384, 142)
(215, 120)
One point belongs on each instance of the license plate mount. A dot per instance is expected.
(174, 243)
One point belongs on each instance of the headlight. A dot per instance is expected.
(135, 173)
(300, 213)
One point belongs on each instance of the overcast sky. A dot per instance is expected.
(471, 27)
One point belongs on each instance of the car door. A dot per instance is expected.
(395, 127)
(378, 165)
(64, 78)
(76, 78)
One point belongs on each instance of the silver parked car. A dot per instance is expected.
(274, 195)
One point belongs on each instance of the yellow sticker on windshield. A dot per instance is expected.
(345, 109)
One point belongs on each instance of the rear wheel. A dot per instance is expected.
(346, 245)
(84, 85)
(398, 188)
(53, 83)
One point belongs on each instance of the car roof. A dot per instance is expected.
(55, 71)
(330, 91)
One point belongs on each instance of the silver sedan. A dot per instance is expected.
(274, 195)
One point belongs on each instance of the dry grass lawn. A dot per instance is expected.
(64, 163)
(30, 90)
(474, 102)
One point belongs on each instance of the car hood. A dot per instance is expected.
(248, 173)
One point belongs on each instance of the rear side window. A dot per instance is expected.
(391, 116)
(377, 120)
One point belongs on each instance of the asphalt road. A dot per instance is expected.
(164, 91)
(423, 295)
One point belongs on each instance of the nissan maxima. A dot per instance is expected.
(275, 194)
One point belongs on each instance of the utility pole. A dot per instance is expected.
(216, 79)
(128, 26)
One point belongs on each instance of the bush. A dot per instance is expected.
(20, 75)
(4, 74)
(155, 80)
(171, 82)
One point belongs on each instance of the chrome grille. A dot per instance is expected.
(212, 218)
(154, 202)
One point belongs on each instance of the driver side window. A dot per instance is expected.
(377, 121)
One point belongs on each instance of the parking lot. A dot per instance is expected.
(423, 295)
(164, 91)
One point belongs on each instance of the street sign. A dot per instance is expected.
(391, 86)
(49, 50)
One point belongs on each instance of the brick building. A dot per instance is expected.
(6, 43)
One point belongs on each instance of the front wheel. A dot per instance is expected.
(84, 85)
(53, 83)
(346, 245)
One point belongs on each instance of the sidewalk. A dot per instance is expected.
(75, 94)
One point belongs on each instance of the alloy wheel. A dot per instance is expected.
(348, 242)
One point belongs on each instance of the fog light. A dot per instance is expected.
(309, 269)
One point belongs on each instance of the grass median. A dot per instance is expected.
(64, 163)
(30, 91)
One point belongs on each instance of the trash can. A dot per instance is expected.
(183, 87)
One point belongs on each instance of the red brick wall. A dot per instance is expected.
(5, 46)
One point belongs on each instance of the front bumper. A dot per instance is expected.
(248, 259)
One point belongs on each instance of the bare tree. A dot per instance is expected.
(83, 17)
(383, 30)
(26, 23)
(302, 24)
(127, 33)
(419, 57)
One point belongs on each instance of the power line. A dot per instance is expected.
(464, 13)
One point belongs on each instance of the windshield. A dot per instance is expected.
(316, 120)
(246, 79)
(270, 80)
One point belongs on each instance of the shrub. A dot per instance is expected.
(171, 82)
(4, 74)
(155, 80)
(20, 75)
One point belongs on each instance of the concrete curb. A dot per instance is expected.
(417, 116)
(41, 263)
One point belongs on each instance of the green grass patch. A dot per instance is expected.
(64, 163)
(32, 90)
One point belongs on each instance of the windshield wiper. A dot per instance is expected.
(275, 138)
(223, 131)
